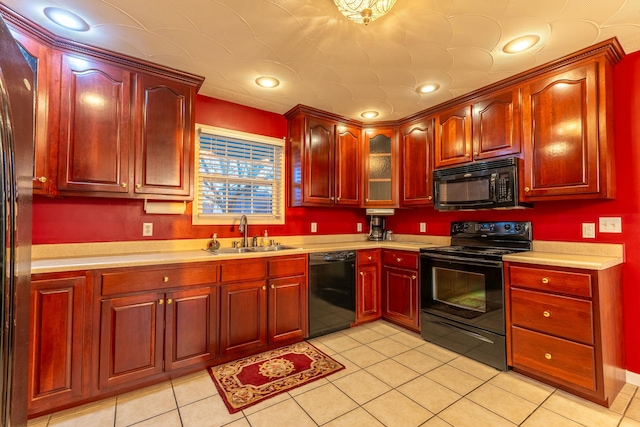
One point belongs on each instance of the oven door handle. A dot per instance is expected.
(464, 331)
(467, 261)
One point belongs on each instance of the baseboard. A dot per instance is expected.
(633, 378)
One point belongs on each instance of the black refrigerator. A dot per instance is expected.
(17, 105)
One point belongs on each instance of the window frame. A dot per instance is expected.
(227, 219)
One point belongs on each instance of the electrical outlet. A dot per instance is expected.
(589, 230)
(314, 227)
(147, 229)
(423, 227)
(359, 227)
(611, 225)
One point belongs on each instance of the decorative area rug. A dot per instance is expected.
(245, 382)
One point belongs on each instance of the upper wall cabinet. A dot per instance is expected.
(40, 57)
(380, 167)
(490, 127)
(416, 145)
(568, 135)
(324, 160)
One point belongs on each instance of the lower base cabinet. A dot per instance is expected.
(564, 327)
(368, 286)
(400, 288)
(58, 353)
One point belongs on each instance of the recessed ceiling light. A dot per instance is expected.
(66, 19)
(369, 114)
(521, 43)
(427, 88)
(267, 82)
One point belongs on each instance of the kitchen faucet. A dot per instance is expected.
(244, 228)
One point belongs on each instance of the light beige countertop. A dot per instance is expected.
(91, 256)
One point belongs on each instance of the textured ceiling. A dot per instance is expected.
(325, 61)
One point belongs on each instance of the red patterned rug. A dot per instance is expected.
(245, 382)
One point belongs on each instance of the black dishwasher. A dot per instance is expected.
(332, 291)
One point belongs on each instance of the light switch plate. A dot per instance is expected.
(610, 225)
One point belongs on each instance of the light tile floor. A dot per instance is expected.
(392, 378)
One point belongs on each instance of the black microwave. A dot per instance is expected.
(479, 185)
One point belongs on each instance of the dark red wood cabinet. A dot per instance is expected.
(368, 286)
(380, 169)
(58, 346)
(416, 144)
(400, 288)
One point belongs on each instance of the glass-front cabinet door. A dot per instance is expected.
(380, 169)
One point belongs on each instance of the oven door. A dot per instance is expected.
(468, 291)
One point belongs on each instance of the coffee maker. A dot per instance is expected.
(376, 228)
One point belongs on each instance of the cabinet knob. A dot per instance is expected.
(169, 301)
(545, 280)
(467, 155)
(338, 199)
(138, 186)
(366, 200)
(42, 179)
(331, 198)
(527, 189)
(399, 259)
(123, 185)
(165, 279)
(273, 286)
(413, 277)
(547, 356)
(264, 288)
(430, 198)
(160, 301)
(369, 258)
(362, 273)
(546, 313)
(475, 153)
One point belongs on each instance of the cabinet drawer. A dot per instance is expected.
(400, 259)
(557, 315)
(145, 280)
(369, 256)
(564, 282)
(560, 359)
(287, 266)
(232, 271)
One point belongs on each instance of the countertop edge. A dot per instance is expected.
(555, 259)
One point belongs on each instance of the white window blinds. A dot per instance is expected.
(238, 174)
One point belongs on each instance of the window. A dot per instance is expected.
(238, 173)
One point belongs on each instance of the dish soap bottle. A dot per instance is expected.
(265, 239)
(213, 244)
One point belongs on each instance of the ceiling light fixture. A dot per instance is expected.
(364, 11)
(521, 43)
(267, 82)
(427, 88)
(66, 19)
(369, 114)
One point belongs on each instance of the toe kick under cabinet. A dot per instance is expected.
(564, 327)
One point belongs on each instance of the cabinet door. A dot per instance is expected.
(496, 125)
(243, 317)
(347, 166)
(561, 134)
(287, 309)
(380, 168)
(94, 126)
(42, 166)
(453, 137)
(416, 144)
(163, 137)
(191, 331)
(318, 161)
(368, 302)
(131, 338)
(400, 297)
(57, 342)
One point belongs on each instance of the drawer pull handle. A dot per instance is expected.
(161, 301)
(369, 258)
(547, 356)
(169, 301)
(546, 313)
(165, 279)
(399, 259)
(545, 280)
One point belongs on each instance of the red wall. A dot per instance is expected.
(96, 220)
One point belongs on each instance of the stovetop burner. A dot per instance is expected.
(486, 240)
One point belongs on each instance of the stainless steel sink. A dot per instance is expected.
(250, 249)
